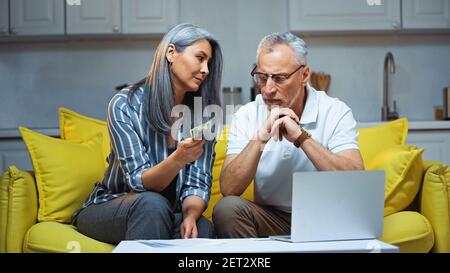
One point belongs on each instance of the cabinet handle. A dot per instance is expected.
(116, 29)
(396, 25)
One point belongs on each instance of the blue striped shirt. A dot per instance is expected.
(135, 147)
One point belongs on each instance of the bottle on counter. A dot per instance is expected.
(231, 101)
(232, 96)
(254, 90)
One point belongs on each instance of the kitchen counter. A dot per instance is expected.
(9, 133)
(435, 125)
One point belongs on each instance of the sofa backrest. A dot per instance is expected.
(18, 208)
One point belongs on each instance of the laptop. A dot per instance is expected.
(333, 206)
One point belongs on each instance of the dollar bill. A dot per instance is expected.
(198, 131)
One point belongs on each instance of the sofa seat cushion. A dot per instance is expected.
(409, 230)
(57, 237)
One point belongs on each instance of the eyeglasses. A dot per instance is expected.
(261, 78)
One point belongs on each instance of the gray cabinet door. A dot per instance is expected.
(94, 17)
(429, 14)
(149, 16)
(14, 152)
(37, 17)
(348, 15)
(4, 17)
(436, 144)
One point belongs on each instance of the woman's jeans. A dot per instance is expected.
(135, 216)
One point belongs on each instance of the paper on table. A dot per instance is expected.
(180, 243)
(184, 245)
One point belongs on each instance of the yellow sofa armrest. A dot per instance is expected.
(435, 202)
(18, 208)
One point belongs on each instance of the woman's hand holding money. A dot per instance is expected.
(188, 150)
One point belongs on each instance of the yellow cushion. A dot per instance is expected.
(221, 149)
(435, 203)
(18, 208)
(408, 230)
(65, 173)
(376, 139)
(403, 167)
(79, 128)
(41, 238)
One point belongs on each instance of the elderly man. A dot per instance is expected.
(289, 128)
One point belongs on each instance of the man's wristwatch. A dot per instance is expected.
(302, 137)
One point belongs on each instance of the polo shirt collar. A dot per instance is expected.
(311, 109)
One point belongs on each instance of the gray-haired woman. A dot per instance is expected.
(157, 187)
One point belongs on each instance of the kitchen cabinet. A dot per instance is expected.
(436, 143)
(34, 17)
(59, 17)
(149, 16)
(430, 14)
(14, 152)
(94, 17)
(348, 15)
(4, 17)
(126, 16)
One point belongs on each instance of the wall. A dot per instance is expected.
(38, 77)
(356, 65)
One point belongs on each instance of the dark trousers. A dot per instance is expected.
(135, 216)
(235, 217)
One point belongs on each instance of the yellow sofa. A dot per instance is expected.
(422, 227)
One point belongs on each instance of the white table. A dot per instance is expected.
(260, 245)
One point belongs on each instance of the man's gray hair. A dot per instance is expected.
(297, 45)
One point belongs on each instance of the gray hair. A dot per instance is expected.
(297, 45)
(158, 92)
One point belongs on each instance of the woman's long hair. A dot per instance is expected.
(158, 92)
